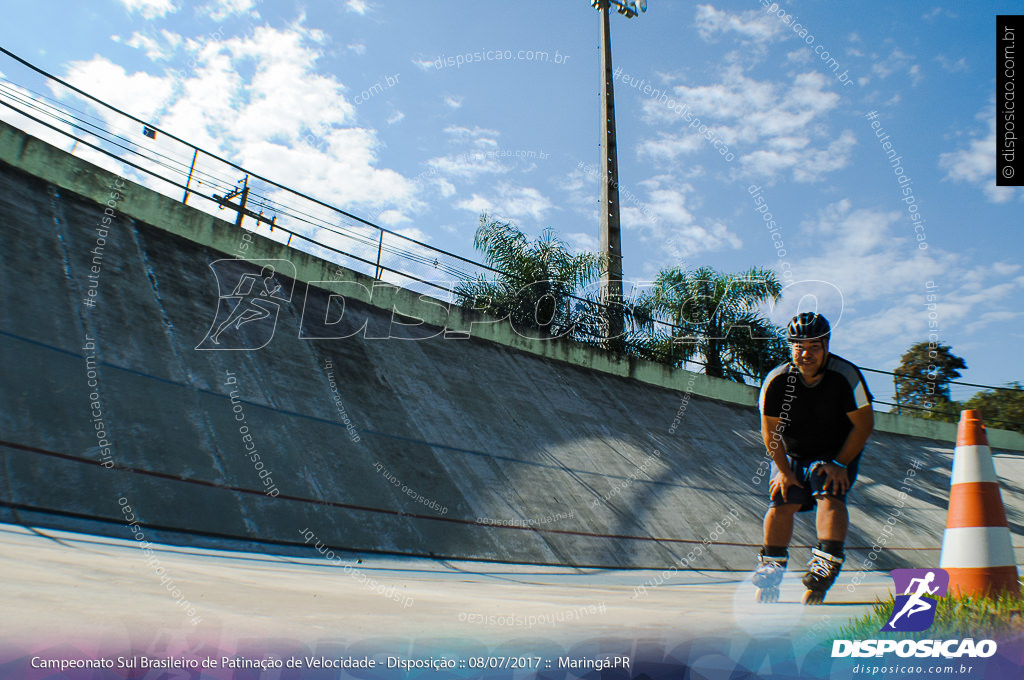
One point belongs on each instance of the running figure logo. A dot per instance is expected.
(914, 611)
(247, 313)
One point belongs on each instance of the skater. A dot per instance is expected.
(815, 419)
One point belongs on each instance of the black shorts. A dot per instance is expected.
(812, 476)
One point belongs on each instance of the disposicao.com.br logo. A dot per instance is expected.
(913, 611)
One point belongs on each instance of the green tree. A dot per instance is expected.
(923, 377)
(1002, 408)
(536, 279)
(716, 317)
(945, 410)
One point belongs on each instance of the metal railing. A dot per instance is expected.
(146, 154)
(153, 157)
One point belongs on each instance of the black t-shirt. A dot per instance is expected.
(815, 424)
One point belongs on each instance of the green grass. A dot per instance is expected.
(955, 617)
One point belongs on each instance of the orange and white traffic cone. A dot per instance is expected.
(977, 549)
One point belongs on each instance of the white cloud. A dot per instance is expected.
(140, 94)
(958, 66)
(358, 48)
(667, 147)
(976, 164)
(314, 100)
(800, 56)
(219, 10)
(582, 242)
(772, 129)
(159, 48)
(396, 117)
(1005, 268)
(897, 61)
(468, 165)
(937, 12)
(871, 257)
(153, 49)
(659, 211)
(453, 102)
(915, 75)
(395, 217)
(478, 158)
(423, 64)
(229, 104)
(446, 188)
(360, 7)
(989, 318)
(854, 39)
(150, 9)
(511, 202)
(664, 217)
(753, 25)
(687, 240)
(806, 166)
(477, 134)
(414, 233)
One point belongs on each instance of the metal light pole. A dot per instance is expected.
(611, 240)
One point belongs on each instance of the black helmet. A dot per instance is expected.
(808, 326)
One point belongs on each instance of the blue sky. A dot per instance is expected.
(286, 89)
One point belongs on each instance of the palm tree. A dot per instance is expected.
(707, 313)
(536, 280)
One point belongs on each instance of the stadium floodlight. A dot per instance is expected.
(611, 240)
(628, 9)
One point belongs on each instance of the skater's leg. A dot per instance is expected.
(833, 520)
(771, 566)
(778, 525)
(826, 562)
(832, 523)
(778, 530)
(827, 558)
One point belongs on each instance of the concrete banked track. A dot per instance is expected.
(571, 445)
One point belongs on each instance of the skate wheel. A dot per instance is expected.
(766, 595)
(814, 597)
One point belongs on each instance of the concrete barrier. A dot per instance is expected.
(493, 447)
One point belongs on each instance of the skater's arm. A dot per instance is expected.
(863, 420)
(771, 433)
